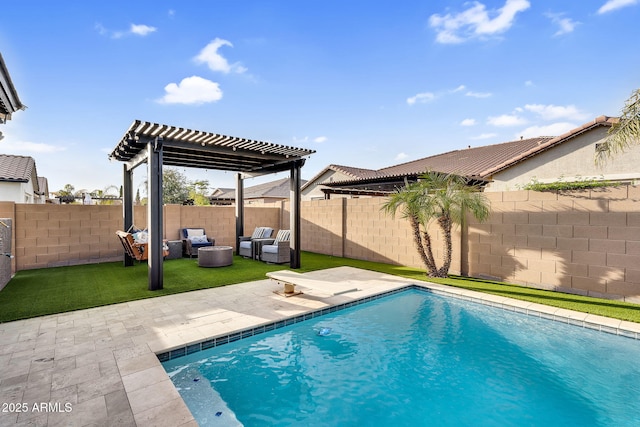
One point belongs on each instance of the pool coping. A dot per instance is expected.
(104, 361)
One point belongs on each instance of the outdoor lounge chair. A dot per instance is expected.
(194, 239)
(277, 252)
(134, 249)
(246, 248)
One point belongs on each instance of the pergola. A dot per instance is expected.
(159, 145)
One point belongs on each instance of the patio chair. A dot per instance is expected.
(277, 252)
(137, 250)
(194, 239)
(246, 248)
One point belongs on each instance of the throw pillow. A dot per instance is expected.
(195, 232)
(198, 239)
(141, 237)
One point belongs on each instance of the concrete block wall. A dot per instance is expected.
(583, 242)
(55, 235)
(357, 228)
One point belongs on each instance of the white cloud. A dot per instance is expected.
(529, 83)
(478, 94)
(567, 25)
(475, 22)
(421, 98)
(191, 90)
(485, 136)
(134, 29)
(401, 156)
(209, 55)
(22, 147)
(612, 5)
(142, 30)
(459, 89)
(506, 120)
(320, 139)
(555, 112)
(468, 122)
(553, 129)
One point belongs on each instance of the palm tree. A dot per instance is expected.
(440, 197)
(624, 133)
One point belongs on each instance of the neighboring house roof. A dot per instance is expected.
(18, 169)
(9, 100)
(477, 162)
(43, 185)
(355, 173)
(274, 189)
(598, 121)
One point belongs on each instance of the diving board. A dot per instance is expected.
(322, 287)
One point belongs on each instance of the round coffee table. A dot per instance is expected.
(215, 256)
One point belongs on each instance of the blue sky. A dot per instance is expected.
(364, 83)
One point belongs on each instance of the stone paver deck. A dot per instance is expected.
(99, 366)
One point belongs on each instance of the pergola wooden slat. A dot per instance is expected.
(158, 145)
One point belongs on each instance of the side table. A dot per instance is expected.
(256, 247)
(175, 249)
(215, 256)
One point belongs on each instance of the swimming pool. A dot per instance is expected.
(415, 358)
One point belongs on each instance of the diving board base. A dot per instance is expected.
(287, 295)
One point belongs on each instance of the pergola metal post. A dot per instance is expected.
(154, 214)
(239, 209)
(294, 197)
(127, 206)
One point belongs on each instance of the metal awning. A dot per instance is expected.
(205, 150)
(159, 145)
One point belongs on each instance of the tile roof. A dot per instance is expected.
(276, 189)
(354, 173)
(17, 168)
(480, 162)
(43, 184)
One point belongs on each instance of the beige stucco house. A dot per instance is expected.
(498, 167)
(19, 181)
(269, 192)
(568, 157)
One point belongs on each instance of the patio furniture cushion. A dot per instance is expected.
(199, 239)
(245, 247)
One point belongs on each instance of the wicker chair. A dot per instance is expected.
(194, 239)
(246, 248)
(278, 252)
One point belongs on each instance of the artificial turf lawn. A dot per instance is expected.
(34, 293)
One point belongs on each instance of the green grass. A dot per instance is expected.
(34, 293)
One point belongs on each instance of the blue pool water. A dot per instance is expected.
(416, 359)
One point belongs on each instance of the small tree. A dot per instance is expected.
(440, 197)
(175, 187)
(198, 192)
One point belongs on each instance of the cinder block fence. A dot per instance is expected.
(584, 242)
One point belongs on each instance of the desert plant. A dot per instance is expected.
(443, 198)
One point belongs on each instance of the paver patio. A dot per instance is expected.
(99, 366)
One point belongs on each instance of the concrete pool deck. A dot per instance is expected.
(99, 366)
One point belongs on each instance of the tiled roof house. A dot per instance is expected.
(19, 181)
(313, 189)
(268, 192)
(502, 167)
